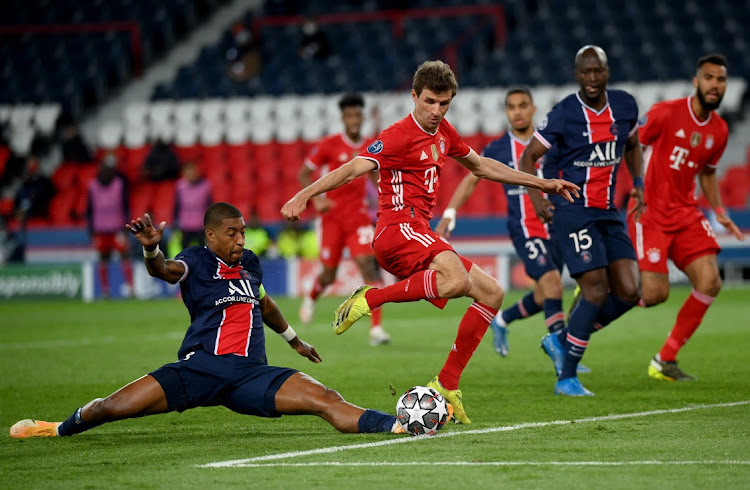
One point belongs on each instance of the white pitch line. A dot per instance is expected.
(508, 428)
(500, 463)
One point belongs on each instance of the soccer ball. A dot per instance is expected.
(421, 411)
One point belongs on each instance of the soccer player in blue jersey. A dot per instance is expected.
(222, 360)
(531, 237)
(592, 131)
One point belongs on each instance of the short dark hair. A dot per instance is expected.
(352, 99)
(216, 213)
(435, 76)
(518, 89)
(713, 58)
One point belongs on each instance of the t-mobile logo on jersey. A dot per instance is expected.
(678, 157)
(430, 177)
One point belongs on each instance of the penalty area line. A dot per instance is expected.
(489, 430)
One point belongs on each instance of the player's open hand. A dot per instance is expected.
(636, 195)
(566, 189)
(144, 231)
(444, 227)
(727, 223)
(305, 350)
(293, 208)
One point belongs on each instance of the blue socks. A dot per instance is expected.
(612, 309)
(74, 425)
(376, 421)
(580, 328)
(525, 307)
(553, 315)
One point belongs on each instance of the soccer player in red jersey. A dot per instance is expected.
(683, 138)
(222, 360)
(409, 156)
(344, 213)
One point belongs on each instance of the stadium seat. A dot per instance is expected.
(110, 135)
(135, 114)
(211, 111)
(185, 112)
(45, 118)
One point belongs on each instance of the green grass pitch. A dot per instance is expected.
(635, 433)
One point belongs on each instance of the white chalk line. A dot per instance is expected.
(414, 464)
(489, 430)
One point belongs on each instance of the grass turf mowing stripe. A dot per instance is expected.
(528, 425)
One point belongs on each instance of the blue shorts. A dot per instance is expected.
(202, 379)
(539, 255)
(591, 238)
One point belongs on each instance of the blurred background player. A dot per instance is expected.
(531, 237)
(107, 210)
(192, 198)
(222, 360)
(684, 137)
(410, 155)
(592, 131)
(345, 221)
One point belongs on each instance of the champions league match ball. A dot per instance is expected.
(421, 411)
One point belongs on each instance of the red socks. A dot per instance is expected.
(688, 319)
(422, 285)
(470, 332)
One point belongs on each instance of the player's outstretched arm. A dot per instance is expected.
(333, 180)
(462, 194)
(634, 160)
(275, 320)
(149, 237)
(710, 186)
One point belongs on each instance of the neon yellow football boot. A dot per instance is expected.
(454, 398)
(351, 310)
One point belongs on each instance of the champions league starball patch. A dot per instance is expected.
(642, 121)
(375, 147)
(542, 124)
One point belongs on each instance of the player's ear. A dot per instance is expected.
(695, 82)
(210, 235)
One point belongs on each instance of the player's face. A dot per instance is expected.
(352, 118)
(520, 111)
(592, 76)
(710, 84)
(430, 108)
(227, 240)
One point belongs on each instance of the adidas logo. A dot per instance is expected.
(680, 133)
(423, 157)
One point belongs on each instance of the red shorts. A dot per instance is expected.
(403, 249)
(356, 235)
(107, 242)
(653, 246)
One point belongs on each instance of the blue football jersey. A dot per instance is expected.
(590, 145)
(224, 304)
(522, 219)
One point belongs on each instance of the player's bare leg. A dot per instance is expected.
(301, 394)
(655, 288)
(322, 281)
(143, 396)
(370, 271)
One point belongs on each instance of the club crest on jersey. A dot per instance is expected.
(613, 129)
(245, 274)
(541, 260)
(434, 150)
(344, 157)
(586, 256)
(375, 147)
(442, 146)
(543, 124)
(653, 255)
(709, 141)
(642, 121)
(695, 139)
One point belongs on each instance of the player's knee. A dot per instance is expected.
(327, 277)
(457, 287)
(710, 285)
(632, 295)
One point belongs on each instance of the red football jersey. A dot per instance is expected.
(410, 160)
(678, 147)
(328, 155)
